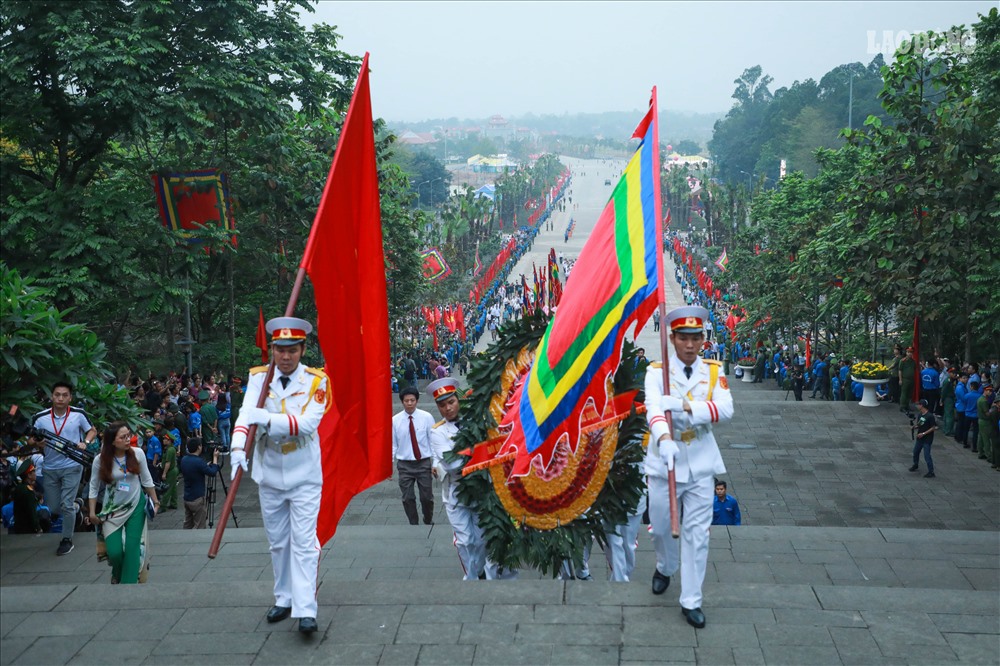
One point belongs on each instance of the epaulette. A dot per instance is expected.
(439, 423)
(317, 372)
(713, 361)
(259, 369)
(655, 364)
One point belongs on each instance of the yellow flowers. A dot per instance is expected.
(870, 370)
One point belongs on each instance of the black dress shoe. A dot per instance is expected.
(307, 625)
(660, 582)
(914, 468)
(278, 613)
(694, 617)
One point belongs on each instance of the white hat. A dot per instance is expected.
(285, 331)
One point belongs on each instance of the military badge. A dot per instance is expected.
(320, 396)
(723, 383)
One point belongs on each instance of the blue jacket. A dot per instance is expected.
(727, 512)
(930, 379)
(971, 398)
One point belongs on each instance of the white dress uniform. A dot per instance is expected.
(697, 462)
(468, 536)
(622, 543)
(288, 469)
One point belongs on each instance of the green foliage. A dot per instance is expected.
(514, 545)
(39, 347)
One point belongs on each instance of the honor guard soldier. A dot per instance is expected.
(287, 466)
(699, 397)
(468, 537)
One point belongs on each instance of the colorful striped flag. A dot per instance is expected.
(618, 274)
(722, 261)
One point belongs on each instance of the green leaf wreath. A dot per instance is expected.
(516, 546)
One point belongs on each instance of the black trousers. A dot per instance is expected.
(419, 473)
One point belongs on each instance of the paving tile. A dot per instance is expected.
(365, 624)
(399, 655)
(982, 579)
(631, 654)
(455, 613)
(975, 648)
(422, 634)
(814, 655)
(10, 620)
(101, 653)
(48, 651)
(547, 614)
(793, 635)
(13, 647)
(667, 634)
(481, 633)
(726, 635)
(714, 655)
(210, 644)
(568, 634)
(63, 624)
(35, 598)
(508, 614)
(514, 653)
(966, 624)
(906, 599)
(219, 620)
(748, 656)
(819, 618)
(593, 655)
(446, 654)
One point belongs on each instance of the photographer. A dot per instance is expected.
(798, 381)
(61, 475)
(194, 469)
(923, 431)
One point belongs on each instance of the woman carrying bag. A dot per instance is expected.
(122, 520)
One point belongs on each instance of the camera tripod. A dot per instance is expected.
(210, 484)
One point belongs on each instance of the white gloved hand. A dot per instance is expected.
(258, 416)
(237, 460)
(668, 451)
(671, 403)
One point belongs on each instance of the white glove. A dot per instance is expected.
(671, 403)
(237, 460)
(668, 451)
(258, 416)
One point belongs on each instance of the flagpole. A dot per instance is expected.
(675, 529)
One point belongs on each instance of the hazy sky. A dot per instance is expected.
(474, 59)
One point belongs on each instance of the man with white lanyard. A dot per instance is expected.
(287, 466)
(699, 396)
(61, 475)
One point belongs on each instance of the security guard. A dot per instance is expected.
(287, 466)
(468, 536)
(699, 396)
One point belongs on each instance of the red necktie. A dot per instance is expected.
(413, 440)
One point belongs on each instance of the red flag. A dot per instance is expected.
(344, 260)
(461, 322)
(261, 340)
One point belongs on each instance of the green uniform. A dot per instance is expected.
(894, 378)
(948, 405)
(907, 372)
(987, 430)
(169, 498)
(209, 419)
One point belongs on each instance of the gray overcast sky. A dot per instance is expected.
(474, 59)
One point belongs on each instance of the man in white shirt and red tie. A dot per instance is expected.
(411, 448)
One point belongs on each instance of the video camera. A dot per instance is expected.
(16, 425)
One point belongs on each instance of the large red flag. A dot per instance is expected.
(345, 263)
(461, 322)
(261, 340)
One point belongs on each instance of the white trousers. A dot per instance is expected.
(469, 539)
(622, 543)
(569, 571)
(290, 523)
(695, 500)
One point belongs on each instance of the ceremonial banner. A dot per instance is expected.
(433, 265)
(194, 200)
(618, 273)
(345, 263)
(722, 261)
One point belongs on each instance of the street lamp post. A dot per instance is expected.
(419, 185)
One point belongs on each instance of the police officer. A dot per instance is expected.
(699, 396)
(287, 466)
(468, 536)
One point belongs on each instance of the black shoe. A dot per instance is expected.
(65, 547)
(660, 582)
(278, 613)
(307, 625)
(929, 475)
(914, 468)
(694, 616)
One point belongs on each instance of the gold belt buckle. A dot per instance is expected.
(688, 436)
(288, 447)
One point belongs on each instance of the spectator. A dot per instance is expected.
(930, 385)
(123, 471)
(224, 422)
(948, 401)
(170, 472)
(985, 426)
(726, 510)
(897, 356)
(194, 469)
(411, 448)
(972, 416)
(923, 438)
(641, 363)
(209, 417)
(154, 453)
(907, 378)
(29, 517)
(193, 421)
(61, 476)
(961, 425)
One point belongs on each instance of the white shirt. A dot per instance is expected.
(423, 422)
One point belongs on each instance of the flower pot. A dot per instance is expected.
(747, 373)
(869, 398)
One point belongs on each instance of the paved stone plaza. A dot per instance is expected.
(844, 557)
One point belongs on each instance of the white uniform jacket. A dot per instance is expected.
(295, 415)
(443, 440)
(710, 403)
